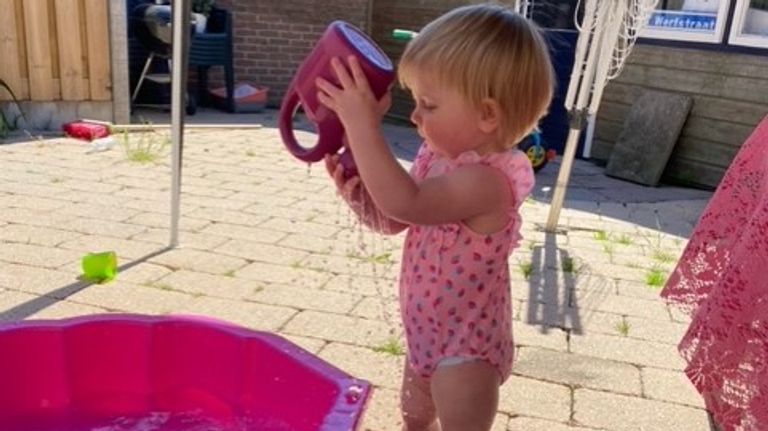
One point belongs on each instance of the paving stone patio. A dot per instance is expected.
(266, 244)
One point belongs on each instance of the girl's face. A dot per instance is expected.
(448, 123)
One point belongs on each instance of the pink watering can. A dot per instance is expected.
(341, 39)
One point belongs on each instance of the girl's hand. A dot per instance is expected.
(353, 102)
(356, 196)
(350, 189)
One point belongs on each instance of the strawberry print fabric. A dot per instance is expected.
(454, 282)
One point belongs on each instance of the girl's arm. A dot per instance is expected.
(358, 199)
(465, 193)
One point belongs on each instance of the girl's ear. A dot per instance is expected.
(490, 115)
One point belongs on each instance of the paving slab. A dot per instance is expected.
(522, 423)
(665, 385)
(383, 369)
(536, 398)
(629, 350)
(578, 370)
(612, 411)
(304, 298)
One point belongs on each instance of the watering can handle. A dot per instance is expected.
(330, 133)
(287, 111)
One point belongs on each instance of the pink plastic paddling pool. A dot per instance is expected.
(118, 372)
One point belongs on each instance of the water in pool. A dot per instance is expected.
(158, 421)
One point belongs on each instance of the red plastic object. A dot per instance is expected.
(253, 102)
(175, 373)
(341, 40)
(85, 131)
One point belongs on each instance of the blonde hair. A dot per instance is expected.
(487, 51)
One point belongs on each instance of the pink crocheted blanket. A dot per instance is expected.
(721, 281)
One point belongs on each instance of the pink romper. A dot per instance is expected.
(454, 282)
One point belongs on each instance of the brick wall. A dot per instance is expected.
(272, 37)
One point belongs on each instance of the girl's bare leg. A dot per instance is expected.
(416, 403)
(466, 395)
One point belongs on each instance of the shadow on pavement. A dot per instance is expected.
(549, 304)
(29, 308)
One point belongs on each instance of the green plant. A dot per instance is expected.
(381, 259)
(601, 235)
(655, 277)
(526, 268)
(392, 346)
(203, 6)
(663, 256)
(7, 125)
(146, 148)
(568, 265)
(608, 249)
(624, 239)
(622, 327)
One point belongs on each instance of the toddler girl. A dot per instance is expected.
(481, 79)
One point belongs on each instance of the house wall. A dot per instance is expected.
(272, 37)
(730, 96)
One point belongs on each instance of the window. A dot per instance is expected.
(553, 14)
(688, 20)
(750, 24)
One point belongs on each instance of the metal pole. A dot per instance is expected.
(181, 28)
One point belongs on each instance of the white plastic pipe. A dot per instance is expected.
(579, 57)
(599, 36)
(562, 180)
(181, 23)
(580, 97)
(589, 136)
(610, 38)
(593, 53)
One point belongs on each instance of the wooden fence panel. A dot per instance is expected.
(71, 72)
(730, 96)
(10, 71)
(55, 49)
(97, 23)
(38, 43)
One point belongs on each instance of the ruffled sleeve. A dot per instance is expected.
(514, 164)
(421, 163)
(519, 172)
(516, 168)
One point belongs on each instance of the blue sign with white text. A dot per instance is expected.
(685, 21)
